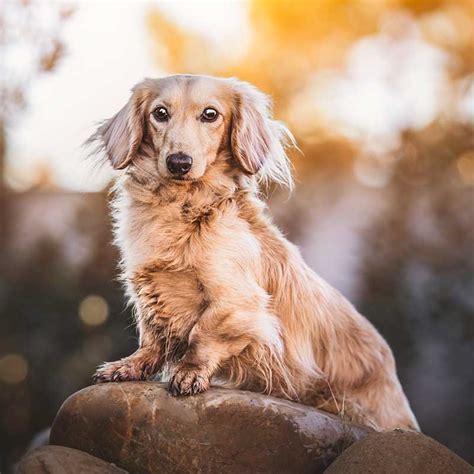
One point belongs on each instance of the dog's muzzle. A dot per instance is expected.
(179, 164)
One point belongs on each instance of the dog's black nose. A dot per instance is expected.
(179, 163)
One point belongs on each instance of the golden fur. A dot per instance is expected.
(219, 293)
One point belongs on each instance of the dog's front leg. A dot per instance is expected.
(141, 365)
(218, 336)
(207, 350)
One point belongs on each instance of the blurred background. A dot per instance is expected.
(380, 96)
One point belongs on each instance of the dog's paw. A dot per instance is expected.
(188, 381)
(119, 371)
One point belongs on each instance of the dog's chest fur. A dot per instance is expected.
(180, 253)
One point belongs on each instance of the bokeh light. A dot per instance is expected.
(13, 369)
(93, 310)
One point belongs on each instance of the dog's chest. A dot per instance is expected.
(179, 259)
(170, 259)
(183, 237)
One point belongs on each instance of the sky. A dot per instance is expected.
(108, 51)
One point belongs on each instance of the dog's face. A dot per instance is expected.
(175, 129)
(188, 124)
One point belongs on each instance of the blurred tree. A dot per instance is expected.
(292, 39)
(42, 288)
(28, 47)
(418, 279)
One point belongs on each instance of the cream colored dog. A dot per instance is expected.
(219, 292)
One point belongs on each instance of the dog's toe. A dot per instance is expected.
(117, 372)
(188, 382)
(200, 384)
(103, 374)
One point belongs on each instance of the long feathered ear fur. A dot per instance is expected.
(120, 136)
(258, 142)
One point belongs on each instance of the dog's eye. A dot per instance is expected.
(161, 114)
(209, 115)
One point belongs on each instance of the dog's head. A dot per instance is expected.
(177, 128)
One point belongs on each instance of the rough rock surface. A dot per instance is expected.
(398, 452)
(60, 460)
(141, 428)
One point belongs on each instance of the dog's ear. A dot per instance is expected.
(257, 141)
(120, 136)
(251, 135)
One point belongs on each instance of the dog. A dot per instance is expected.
(218, 292)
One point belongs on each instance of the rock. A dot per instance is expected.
(60, 460)
(398, 452)
(141, 428)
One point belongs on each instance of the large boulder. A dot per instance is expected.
(398, 452)
(141, 428)
(60, 460)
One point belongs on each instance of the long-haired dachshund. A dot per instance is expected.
(218, 291)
